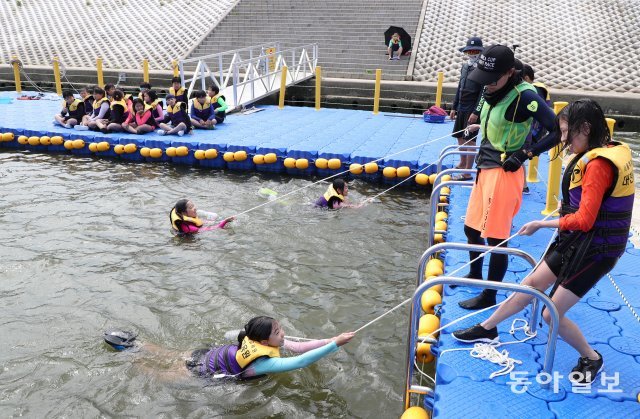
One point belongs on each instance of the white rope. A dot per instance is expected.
(624, 298)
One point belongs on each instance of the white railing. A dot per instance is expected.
(249, 74)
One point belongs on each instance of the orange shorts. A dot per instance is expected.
(495, 199)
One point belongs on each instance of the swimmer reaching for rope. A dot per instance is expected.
(184, 219)
(256, 353)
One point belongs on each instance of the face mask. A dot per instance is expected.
(473, 59)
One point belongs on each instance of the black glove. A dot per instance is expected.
(514, 161)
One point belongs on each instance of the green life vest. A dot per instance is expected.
(504, 135)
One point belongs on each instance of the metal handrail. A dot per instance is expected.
(452, 153)
(453, 170)
(458, 146)
(231, 52)
(416, 310)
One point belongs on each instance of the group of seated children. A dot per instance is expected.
(111, 110)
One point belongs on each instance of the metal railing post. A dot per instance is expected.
(452, 153)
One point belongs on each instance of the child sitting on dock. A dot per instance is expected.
(150, 98)
(335, 195)
(140, 121)
(144, 86)
(100, 111)
(86, 93)
(72, 111)
(184, 217)
(178, 91)
(177, 115)
(202, 115)
(217, 103)
(118, 114)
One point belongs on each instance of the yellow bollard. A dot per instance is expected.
(283, 86)
(176, 69)
(56, 76)
(555, 170)
(611, 123)
(100, 76)
(532, 173)
(318, 83)
(439, 88)
(376, 92)
(145, 70)
(16, 73)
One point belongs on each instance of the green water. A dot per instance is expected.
(85, 245)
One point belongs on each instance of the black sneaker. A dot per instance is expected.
(525, 190)
(476, 333)
(483, 300)
(587, 370)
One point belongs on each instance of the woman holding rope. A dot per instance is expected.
(597, 201)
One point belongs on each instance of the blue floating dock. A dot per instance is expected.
(351, 136)
(463, 387)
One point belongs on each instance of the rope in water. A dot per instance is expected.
(343, 172)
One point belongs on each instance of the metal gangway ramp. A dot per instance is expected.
(249, 74)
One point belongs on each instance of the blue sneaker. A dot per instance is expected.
(119, 339)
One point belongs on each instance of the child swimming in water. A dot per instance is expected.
(335, 195)
(184, 219)
(256, 353)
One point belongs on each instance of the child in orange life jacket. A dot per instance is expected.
(140, 121)
(201, 114)
(218, 104)
(150, 98)
(72, 111)
(177, 115)
(119, 112)
(185, 220)
(178, 91)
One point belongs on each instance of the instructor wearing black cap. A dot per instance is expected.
(506, 114)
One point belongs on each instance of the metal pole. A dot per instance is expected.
(439, 88)
(16, 73)
(176, 70)
(100, 75)
(376, 92)
(532, 173)
(555, 170)
(56, 76)
(145, 70)
(318, 83)
(283, 86)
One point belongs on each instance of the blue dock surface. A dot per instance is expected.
(351, 136)
(463, 387)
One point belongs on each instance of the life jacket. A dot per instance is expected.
(97, 104)
(214, 101)
(176, 220)
(119, 102)
(72, 109)
(150, 121)
(610, 232)
(198, 106)
(545, 89)
(504, 135)
(125, 111)
(88, 105)
(331, 193)
(175, 108)
(180, 91)
(252, 350)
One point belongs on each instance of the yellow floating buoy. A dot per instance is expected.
(334, 164)
(45, 140)
(289, 162)
(432, 178)
(422, 179)
(34, 140)
(322, 163)
(118, 149)
(445, 178)
(93, 147)
(415, 412)
(182, 151)
(444, 199)
(171, 151)
(145, 151)
(437, 288)
(429, 300)
(441, 225)
(240, 155)
(356, 168)
(7, 136)
(389, 172)
(130, 148)
(78, 144)
(199, 154)
(423, 352)
(228, 156)
(438, 238)
(67, 144)
(403, 171)
(155, 153)
(436, 263)
(302, 164)
(433, 270)
(211, 153)
(23, 139)
(441, 216)
(445, 191)
(57, 140)
(258, 159)
(103, 146)
(270, 158)
(428, 324)
(370, 168)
